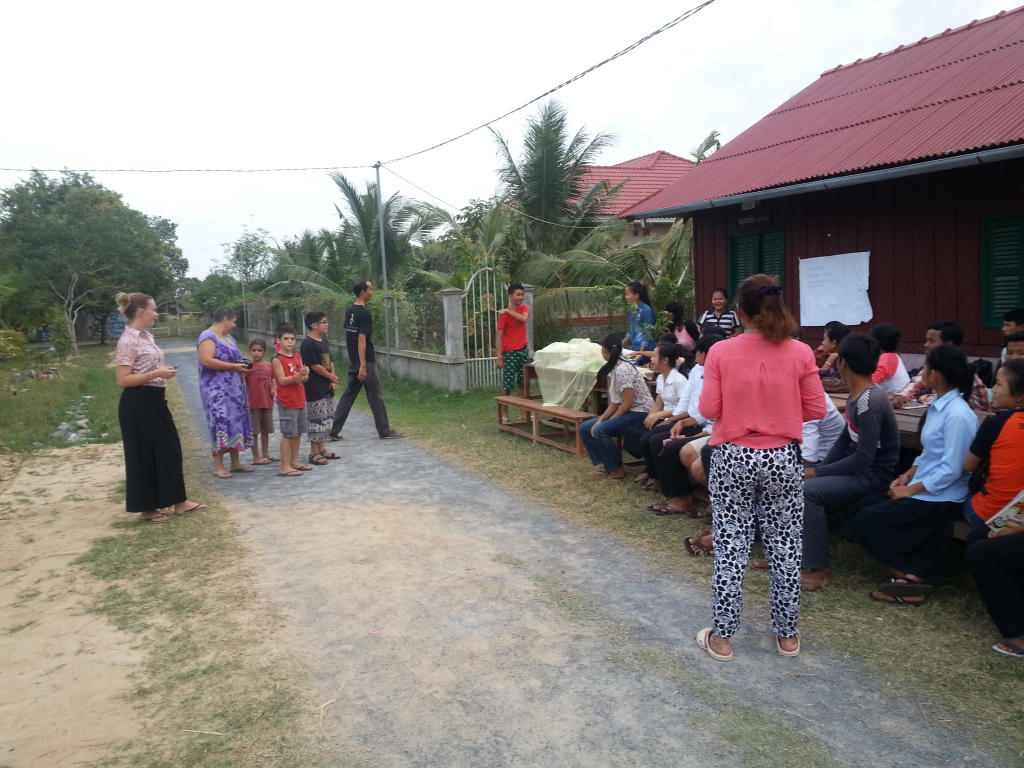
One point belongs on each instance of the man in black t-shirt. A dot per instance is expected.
(362, 367)
(316, 354)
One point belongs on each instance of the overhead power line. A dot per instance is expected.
(664, 28)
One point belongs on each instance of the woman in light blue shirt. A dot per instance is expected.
(910, 533)
(641, 318)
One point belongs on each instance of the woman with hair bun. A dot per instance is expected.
(152, 450)
(629, 403)
(760, 387)
(910, 533)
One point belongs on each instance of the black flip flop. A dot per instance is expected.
(905, 588)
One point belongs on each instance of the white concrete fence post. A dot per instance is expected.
(528, 301)
(453, 338)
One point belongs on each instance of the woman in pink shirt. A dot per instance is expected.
(760, 386)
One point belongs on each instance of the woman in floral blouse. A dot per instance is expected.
(152, 450)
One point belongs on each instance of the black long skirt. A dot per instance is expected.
(908, 535)
(152, 450)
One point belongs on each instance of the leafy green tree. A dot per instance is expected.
(710, 144)
(218, 289)
(77, 242)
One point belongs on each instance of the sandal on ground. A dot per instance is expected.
(303, 468)
(655, 507)
(704, 641)
(783, 651)
(155, 519)
(881, 597)
(329, 455)
(272, 459)
(696, 547)
(223, 475)
(334, 438)
(293, 473)
(667, 510)
(1013, 647)
(317, 458)
(261, 462)
(904, 587)
(193, 508)
(698, 512)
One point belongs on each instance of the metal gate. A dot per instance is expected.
(483, 297)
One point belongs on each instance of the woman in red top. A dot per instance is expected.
(760, 387)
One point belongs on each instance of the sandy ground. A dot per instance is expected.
(64, 673)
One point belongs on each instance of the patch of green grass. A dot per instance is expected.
(928, 652)
(31, 411)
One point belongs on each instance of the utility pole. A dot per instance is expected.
(384, 268)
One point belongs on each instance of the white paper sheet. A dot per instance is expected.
(835, 288)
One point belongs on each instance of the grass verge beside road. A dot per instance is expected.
(31, 411)
(214, 690)
(939, 654)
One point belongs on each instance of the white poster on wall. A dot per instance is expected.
(835, 288)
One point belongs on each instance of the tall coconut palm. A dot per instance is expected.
(549, 185)
(357, 241)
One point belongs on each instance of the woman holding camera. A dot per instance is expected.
(152, 450)
(222, 388)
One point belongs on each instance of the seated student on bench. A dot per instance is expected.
(672, 474)
(997, 453)
(1013, 323)
(891, 374)
(671, 387)
(629, 402)
(910, 534)
(862, 461)
(916, 391)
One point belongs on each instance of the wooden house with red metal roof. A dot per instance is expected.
(641, 178)
(915, 156)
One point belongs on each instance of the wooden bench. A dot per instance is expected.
(563, 424)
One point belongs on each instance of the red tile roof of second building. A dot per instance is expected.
(958, 91)
(643, 176)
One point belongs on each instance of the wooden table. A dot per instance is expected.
(597, 398)
(907, 419)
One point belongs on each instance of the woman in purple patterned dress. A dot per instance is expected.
(223, 391)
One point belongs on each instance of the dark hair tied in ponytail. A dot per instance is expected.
(613, 343)
(950, 362)
(760, 299)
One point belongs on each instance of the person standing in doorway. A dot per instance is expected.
(362, 366)
(512, 348)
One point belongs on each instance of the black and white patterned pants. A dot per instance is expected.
(765, 485)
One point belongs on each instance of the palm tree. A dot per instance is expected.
(357, 241)
(548, 184)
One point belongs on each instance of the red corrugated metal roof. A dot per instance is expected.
(643, 177)
(958, 91)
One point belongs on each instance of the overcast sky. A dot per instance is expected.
(226, 84)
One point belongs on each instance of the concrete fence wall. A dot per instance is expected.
(444, 371)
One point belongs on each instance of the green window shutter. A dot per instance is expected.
(773, 255)
(1001, 263)
(744, 260)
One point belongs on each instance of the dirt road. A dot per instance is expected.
(453, 623)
